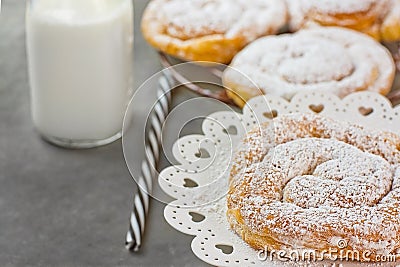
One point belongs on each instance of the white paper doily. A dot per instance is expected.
(199, 184)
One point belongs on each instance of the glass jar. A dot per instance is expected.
(80, 69)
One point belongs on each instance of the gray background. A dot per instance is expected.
(70, 207)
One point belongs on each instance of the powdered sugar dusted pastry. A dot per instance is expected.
(330, 59)
(379, 19)
(390, 30)
(308, 182)
(210, 30)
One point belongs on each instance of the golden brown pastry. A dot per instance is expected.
(210, 30)
(390, 29)
(328, 59)
(308, 182)
(379, 19)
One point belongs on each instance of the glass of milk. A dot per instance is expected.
(80, 69)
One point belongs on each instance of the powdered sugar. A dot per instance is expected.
(352, 13)
(190, 19)
(391, 24)
(329, 59)
(312, 179)
(346, 7)
(327, 172)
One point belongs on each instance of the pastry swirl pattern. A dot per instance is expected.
(379, 19)
(330, 59)
(305, 181)
(210, 30)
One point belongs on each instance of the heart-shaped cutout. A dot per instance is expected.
(232, 130)
(365, 111)
(271, 114)
(202, 154)
(317, 108)
(189, 183)
(226, 249)
(196, 217)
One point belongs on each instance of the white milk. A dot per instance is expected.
(80, 66)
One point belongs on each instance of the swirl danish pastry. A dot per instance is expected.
(306, 182)
(330, 59)
(379, 19)
(210, 30)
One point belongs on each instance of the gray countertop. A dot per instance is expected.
(69, 207)
(63, 207)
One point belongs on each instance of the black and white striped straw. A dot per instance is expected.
(141, 199)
